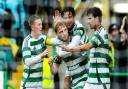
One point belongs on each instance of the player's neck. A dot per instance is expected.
(34, 35)
(98, 26)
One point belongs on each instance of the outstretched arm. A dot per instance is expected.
(84, 47)
(52, 41)
(29, 60)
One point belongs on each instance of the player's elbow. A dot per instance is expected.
(27, 62)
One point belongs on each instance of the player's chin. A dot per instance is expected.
(65, 40)
(40, 33)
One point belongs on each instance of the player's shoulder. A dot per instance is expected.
(43, 36)
(26, 41)
(78, 24)
(27, 38)
(102, 31)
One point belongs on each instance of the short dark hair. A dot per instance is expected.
(32, 19)
(95, 11)
(68, 9)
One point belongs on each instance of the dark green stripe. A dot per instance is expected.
(79, 81)
(78, 31)
(36, 52)
(106, 36)
(101, 75)
(86, 55)
(100, 55)
(119, 74)
(86, 40)
(99, 38)
(26, 49)
(33, 70)
(40, 41)
(26, 56)
(5, 80)
(37, 79)
(85, 71)
(80, 28)
(106, 46)
(98, 83)
(98, 65)
(71, 58)
(80, 65)
(78, 35)
(80, 87)
(94, 43)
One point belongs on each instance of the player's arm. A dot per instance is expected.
(59, 51)
(84, 47)
(76, 38)
(54, 67)
(29, 60)
(62, 53)
(123, 22)
(94, 42)
(75, 41)
(52, 41)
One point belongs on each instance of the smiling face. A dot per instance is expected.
(68, 19)
(62, 33)
(93, 22)
(37, 27)
(94, 16)
(61, 30)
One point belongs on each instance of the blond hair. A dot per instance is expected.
(59, 22)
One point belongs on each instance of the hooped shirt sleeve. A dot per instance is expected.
(76, 37)
(27, 58)
(97, 39)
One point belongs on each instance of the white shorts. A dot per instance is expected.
(30, 87)
(93, 86)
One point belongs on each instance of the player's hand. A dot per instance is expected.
(44, 53)
(57, 15)
(50, 61)
(123, 22)
(66, 48)
(124, 19)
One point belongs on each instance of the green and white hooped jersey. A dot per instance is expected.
(79, 29)
(76, 68)
(76, 64)
(32, 74)
(79, 33)
(98, 67)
